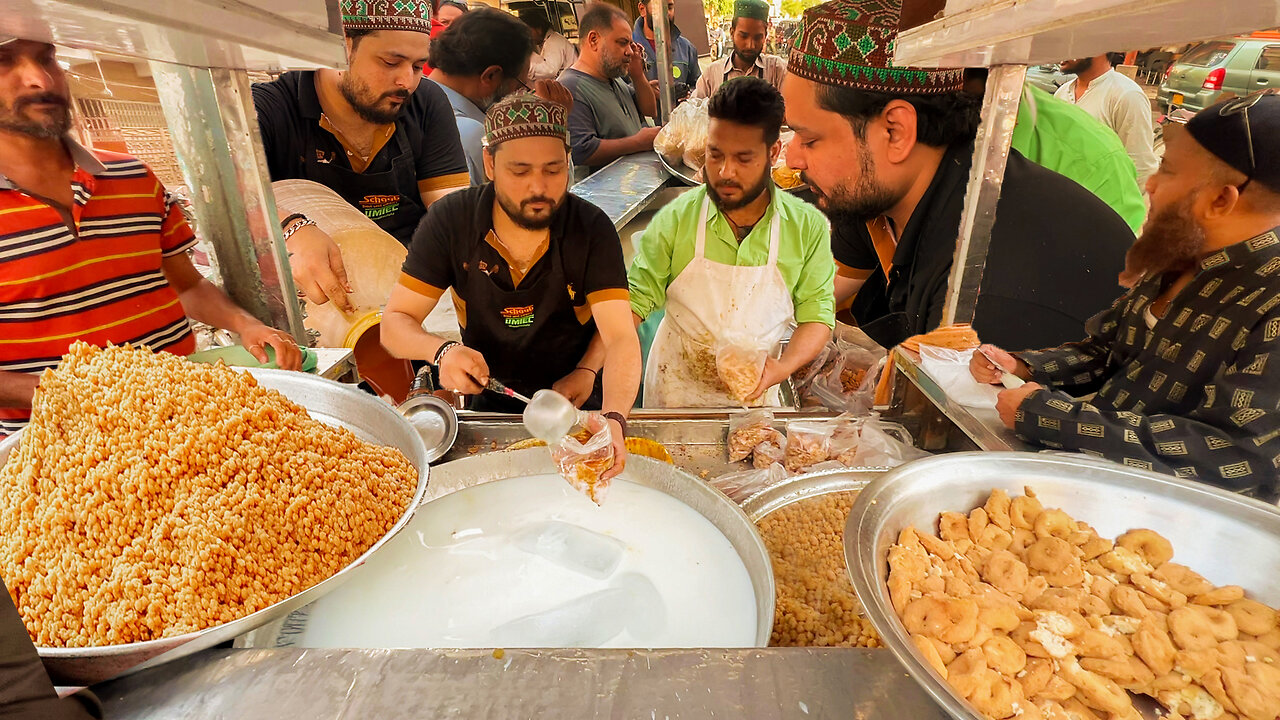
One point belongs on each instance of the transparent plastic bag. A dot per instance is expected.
(950, 370)
(742, 484)
(885, 444)
(845, 438)
(740, 365)
(769, 452)
(684, 137)
(849, 384)
(808, 443)
(582, 464)
(749, 429)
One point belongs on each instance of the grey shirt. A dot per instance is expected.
(601, 111)
(470, 121)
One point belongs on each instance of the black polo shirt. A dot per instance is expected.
(459, 225)
(1056, 253)
(289, 119)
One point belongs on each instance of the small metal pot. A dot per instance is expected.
(434, 419)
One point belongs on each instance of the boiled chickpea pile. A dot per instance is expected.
(816, 604)
(151, 497)
(1029, 613)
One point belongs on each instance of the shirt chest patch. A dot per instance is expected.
(520, 316)
(376, 207)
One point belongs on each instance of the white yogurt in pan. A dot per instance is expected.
(530, 562)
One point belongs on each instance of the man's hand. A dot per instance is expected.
(654, 84)
(773, 374)
(257, 336)
(552, 91)
(619, 451)
(317, 268)
(646, 136)
(1008, 402)
(464, 370)
(636, 67)
(577, 386)
(984, 371)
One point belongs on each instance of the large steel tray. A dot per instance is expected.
(330, 402)
(1230, 539)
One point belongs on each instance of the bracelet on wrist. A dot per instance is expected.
(617, 416)
(593, 372)
(296, 227)
(443, 350)
(289, 220)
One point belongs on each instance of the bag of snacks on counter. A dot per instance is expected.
(885, 444)
(742, 484)
(582, 464)
(769, 452)
(808, 443)
(749, 429)
(740, 364)
(849, 384)
(845, 438)
(685, 134)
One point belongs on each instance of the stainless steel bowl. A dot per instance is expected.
(803, 487)
(722, 512)
(330, 402)
(1230, 539)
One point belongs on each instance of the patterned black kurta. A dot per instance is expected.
(1197, 395)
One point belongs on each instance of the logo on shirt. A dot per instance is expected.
(376, 207)
(518, 317)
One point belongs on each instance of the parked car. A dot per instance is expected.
(1048, 77)
(1211, 69)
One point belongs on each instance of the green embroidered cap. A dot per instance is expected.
(850, 43)
(525, 115)
(753, 9)
(412, 15)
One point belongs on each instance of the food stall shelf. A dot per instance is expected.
(624, 187)
(389, 684)
(1031, 32)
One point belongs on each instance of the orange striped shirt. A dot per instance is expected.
(100, 281)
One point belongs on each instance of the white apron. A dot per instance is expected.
(706, 302)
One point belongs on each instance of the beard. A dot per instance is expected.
(1075, 67)
(526, 218)
(747, 58)
(46, 127)
(860, 202)
(368, 105)
(614, 66)
(749, 195)
(1171, 241)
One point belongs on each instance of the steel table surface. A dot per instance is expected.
(623, 684)
(624, 187)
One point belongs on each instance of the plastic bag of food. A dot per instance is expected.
(740, 364)
(849, 384)
(950, 370)
(845, 438)
(582, 463)
(742, 484)
(684, 137)
(808, 443)
(885, 444)
(749, 429)
(769, 452)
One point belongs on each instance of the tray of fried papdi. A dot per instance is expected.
(1025, 586)
(154, 507)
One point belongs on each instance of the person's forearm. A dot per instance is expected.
(646, 99)
(622, 369)
(430, 196)
(17, 389)
(610, 150)
(847, 288)
(208, 304)
(806, 342)
(593, 359)
(404, 337)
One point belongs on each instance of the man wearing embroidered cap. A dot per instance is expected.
(888, 151)
(749, 31)
(373, 133)
(1185, 365)
(534, 270)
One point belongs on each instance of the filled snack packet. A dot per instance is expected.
(583, 463)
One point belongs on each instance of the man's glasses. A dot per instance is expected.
(1240, 106)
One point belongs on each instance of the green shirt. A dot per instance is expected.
(804, 252)
(1069, 141)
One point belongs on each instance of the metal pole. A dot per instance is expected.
(990, 156)
(662, 48)
(215, 133)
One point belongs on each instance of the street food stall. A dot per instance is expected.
(824, 560)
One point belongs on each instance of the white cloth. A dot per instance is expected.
(557, 55)
(1122, 105)
(707, 302)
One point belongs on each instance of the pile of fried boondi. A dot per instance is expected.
(151, 497)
